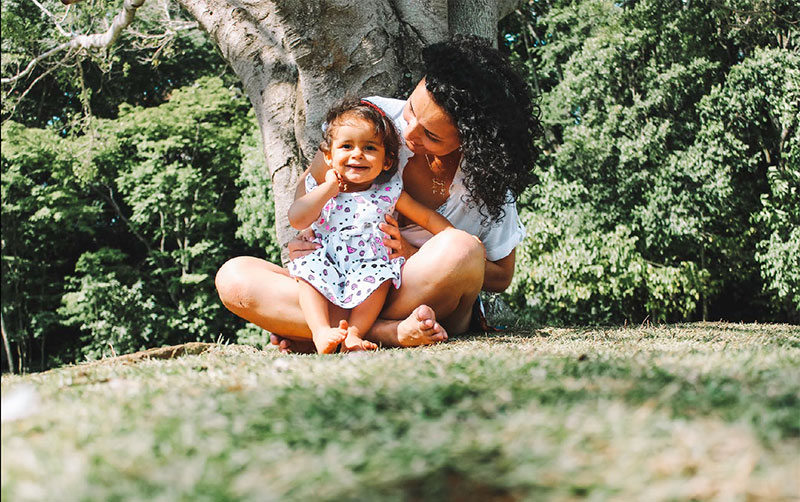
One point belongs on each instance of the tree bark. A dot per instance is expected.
(296, 58)
(6, 345)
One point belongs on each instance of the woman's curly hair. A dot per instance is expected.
(495, 115)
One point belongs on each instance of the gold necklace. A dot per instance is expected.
(438, 187)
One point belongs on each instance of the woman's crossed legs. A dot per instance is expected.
(442, 280)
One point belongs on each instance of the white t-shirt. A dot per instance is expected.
(498, 237)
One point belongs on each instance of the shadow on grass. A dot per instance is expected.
(452, 486)
(504, 336)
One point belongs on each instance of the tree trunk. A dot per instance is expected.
(6, 346)
(296, 58)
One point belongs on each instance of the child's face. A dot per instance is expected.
(357, 154)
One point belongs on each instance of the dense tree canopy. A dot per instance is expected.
(670, 185)
(137, 214)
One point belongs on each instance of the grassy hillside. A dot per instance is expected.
(687, 412)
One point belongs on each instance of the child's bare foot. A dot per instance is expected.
(327, 339)
(354, 343)
(420, 328)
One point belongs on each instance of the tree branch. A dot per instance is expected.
(28, 89)
(51, 16)
(93, 41)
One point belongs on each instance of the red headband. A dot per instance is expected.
(373, 105)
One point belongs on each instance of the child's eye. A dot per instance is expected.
(370, 147)
(346, 146)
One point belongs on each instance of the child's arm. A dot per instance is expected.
(317, 169)
(305, 209)
(423, 216)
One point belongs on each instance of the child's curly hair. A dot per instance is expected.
(354, 108)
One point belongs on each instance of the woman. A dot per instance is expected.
(468, 128)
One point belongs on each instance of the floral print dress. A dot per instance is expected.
(352, 261)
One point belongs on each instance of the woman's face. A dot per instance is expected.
(430, 129)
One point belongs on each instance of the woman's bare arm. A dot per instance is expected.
(498, 274)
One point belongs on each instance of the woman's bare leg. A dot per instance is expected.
(266, 295)
(445, 277)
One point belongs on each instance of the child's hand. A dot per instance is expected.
(331, 177)
(334, 178)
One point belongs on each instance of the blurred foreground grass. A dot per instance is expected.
(685, 412)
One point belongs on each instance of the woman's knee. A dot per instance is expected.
(454, 258)
(232, 282)
(456, 249)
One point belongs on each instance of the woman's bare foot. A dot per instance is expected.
(327, 339)
(419, 328)
(354, 342)
(289, 346)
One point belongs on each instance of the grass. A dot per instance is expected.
(672, 413)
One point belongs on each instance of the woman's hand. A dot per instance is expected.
(395, 242)
(303, 244)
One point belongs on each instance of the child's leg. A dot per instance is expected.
(315, 309)
(362, 317)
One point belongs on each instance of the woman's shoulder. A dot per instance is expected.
(390, 106)
(393, 108)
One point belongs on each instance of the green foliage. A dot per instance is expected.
(254, 207)
(47, 219)
(161, 52)
(668, 149)
(172, 166)
(137, 214)
(112, 188)
(771, 131)
(110, 303)
(569, 269)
